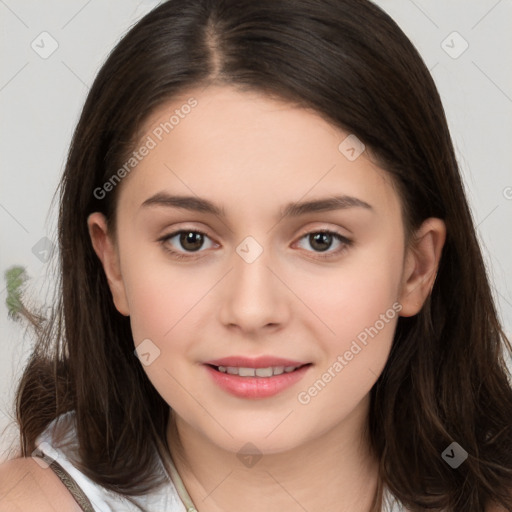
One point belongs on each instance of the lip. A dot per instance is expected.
(254, 362)
(255, 387)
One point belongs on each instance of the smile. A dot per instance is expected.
(255, 379)
(257, 372)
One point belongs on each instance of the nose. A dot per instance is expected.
(253, 296)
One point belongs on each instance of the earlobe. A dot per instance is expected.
(105, 249)
(421, 264)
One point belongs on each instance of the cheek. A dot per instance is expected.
(356, 293)
(159, 292)
(161, 308)
(159, 301)
(359, 310)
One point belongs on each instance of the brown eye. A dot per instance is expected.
(185, 242)
(191, 240)
(320, 241)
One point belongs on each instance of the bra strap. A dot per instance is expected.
(69, 482)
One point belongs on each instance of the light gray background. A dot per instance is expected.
(41, 98)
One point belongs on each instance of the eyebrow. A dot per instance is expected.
(198, 204)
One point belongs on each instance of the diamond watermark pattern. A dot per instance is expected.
(249, 455)
(44, 449)
(454, 455)
(43, 249)
(44, 45)
(454, 45)
(249, 249)
(147, 352)
(351, 148)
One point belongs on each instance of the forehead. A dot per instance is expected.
(246, 148)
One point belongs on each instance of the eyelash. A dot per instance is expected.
(180, 256)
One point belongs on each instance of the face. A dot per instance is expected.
(266, 314)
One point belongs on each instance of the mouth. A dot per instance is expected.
(257, 378)
(265, 372)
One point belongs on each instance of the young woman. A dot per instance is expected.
(272, 296)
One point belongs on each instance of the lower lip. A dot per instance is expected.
(256, 387)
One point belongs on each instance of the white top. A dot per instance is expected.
(168, 498)
(64, 451)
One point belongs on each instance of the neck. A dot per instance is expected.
(335, 471)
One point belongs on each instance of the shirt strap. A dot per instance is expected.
(69, 482)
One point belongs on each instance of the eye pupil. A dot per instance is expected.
(196, 239)
(321, 238)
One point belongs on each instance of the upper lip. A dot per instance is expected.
(254, 362)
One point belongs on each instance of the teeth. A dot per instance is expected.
(264, 372)
(257, 372)
(278, 370)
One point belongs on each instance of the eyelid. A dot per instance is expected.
(323, 229)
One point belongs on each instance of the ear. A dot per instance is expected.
(421, 264)
(105, 249)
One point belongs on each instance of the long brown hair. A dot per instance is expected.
(445, 380)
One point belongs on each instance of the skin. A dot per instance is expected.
(24, 485)
(252, 155)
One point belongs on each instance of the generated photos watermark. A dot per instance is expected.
(150, 143)
(357, 345)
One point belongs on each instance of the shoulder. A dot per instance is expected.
(25, 485)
